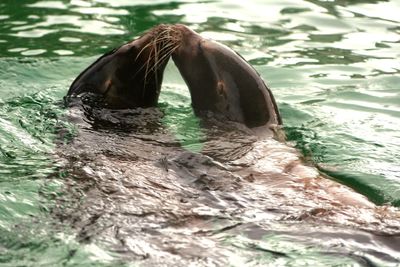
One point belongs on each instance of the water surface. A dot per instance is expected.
(332, 65)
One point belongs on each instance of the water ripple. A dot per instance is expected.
(332, 65)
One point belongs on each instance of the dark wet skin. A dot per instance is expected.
(145, 197)
(126, 76)
(221, 81)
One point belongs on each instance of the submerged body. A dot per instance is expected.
(238, 201)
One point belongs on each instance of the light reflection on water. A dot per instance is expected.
(332, 65)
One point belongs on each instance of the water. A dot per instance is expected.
(332, 66)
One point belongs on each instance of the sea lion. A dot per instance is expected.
(142, 197)
(129, 76)
(157, 203)
(221, 81)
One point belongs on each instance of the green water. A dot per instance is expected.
(333, 67)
